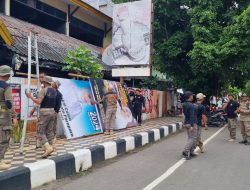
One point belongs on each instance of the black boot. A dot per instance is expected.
(247, 143)
(243, 142)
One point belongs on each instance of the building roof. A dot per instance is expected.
(52, 46)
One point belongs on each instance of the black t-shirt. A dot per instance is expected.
(200, 112)
(231, 108)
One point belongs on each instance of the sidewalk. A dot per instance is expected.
(72, 156)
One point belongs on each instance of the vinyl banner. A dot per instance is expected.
(24, 87)
(131, 33)
(78, 116)
(16, 97)
(153, 102)
(124, 116)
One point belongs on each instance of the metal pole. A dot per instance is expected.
(27, 105)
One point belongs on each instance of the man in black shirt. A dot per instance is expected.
(56, 84)
(190, 123)
(231, 108)
(138, 102)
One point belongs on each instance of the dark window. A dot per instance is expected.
(2, 6)
(35, 16)
(51, 10)
(85, 32)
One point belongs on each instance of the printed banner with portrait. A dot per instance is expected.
(78, 115)
(124, 116)
(132, 33)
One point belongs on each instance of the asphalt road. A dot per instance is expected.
(224, 166)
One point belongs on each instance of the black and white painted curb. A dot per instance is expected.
(38, 173)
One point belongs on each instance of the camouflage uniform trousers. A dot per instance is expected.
(45, 126)
(232, 125)
(245, 130)
(55, 124)
(110, 117)
(192, 140)
(5, 131)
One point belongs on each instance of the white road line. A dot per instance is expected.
(172, 169)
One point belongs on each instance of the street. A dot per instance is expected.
(224, 166)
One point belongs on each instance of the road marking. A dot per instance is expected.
(172, 169)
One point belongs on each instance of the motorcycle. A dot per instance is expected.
(216, 118)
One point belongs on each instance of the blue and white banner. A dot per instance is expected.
(78, 116)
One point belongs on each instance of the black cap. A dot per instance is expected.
(187, 94)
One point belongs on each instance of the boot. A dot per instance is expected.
(4, 166)
(111, 132)
(48, 150)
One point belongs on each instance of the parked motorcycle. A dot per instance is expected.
(216, 118)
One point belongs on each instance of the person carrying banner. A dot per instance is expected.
(111, 99)
(7, 114)
(47, 101)
(56, 84)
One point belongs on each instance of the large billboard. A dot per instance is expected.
(132, 33)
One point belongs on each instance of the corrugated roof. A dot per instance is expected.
(52, 46)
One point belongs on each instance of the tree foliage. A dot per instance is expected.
(83, 62)
(204, 45)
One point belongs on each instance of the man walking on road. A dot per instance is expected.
(7, 114)
(138, 103)
(244, 111)
(47, 101)
(190, 123)
(201, 117)
(231, 108)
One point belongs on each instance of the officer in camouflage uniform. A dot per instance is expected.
(47, 101)
(7, 114)
(244, 111)
(111, 99)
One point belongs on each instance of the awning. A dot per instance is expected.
(4, 33)
(52, 46)
(91, 9)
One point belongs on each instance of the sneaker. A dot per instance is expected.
(247, 143)
(231, 140)
(243, 142)
(186, 155)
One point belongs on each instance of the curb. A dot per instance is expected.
(38, 173)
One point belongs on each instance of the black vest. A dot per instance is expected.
(49, 100)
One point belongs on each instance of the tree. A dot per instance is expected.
(83, 62)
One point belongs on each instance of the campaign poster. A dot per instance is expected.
(124, 116)
(26, 101)
(16, 97)
(153, 102)
(78, 115)
(131, 35)
(20, 86)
